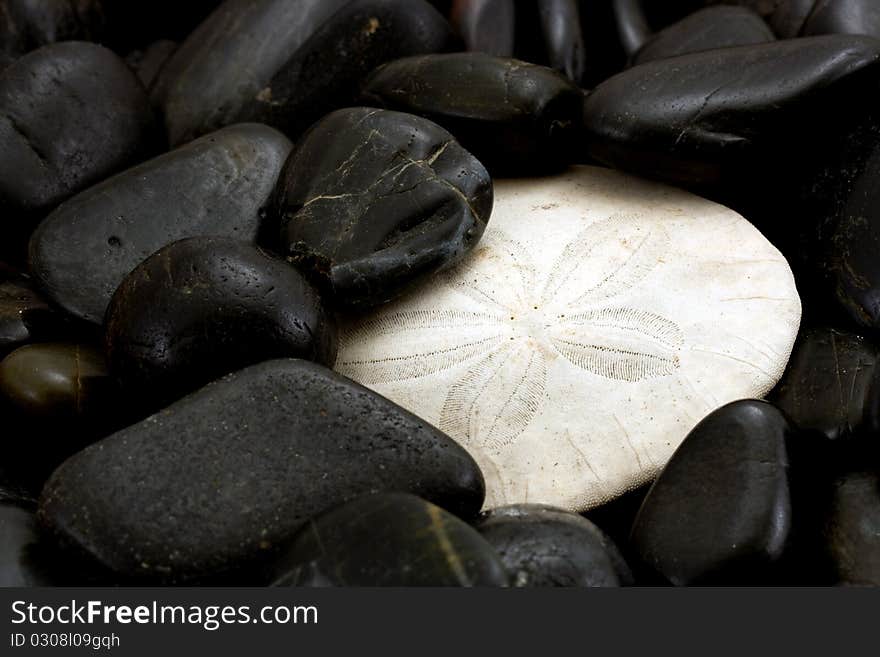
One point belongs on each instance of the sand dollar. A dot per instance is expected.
(598, 321)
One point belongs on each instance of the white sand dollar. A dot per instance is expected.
(600, 318)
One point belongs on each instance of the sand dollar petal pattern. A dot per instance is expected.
(599, 320)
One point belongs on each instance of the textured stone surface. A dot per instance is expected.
(515, 117)
(598, 321)
(378, 201)
(221, 480)
(107, 126)
(721, 509)
(543, 546)
(390, 540)
(214, 186)
(207, 306)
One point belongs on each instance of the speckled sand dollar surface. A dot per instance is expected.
(599, 320)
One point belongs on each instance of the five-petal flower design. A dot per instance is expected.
(522, 320)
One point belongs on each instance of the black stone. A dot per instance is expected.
(786, 17)
(222, 479)
(721, 116)
(487, 26)
(632, 25)
(71, 114)
(379, 201)
(852, 528)
(26, 25)
(713, 27)
(313, 56)
(20, 563)
(25, 316)
(563, 39)
(148, 62)
(844, 17)
(517, 118)
(214, 186)
(830, 385)
(720, 511)
(391, 539)
(207, 306)
(542, 546)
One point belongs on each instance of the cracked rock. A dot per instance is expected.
(720, 511)
(107, 126)
(517, 118)
(216, 185)
(222, 480)
(390, 540)
(203, 307)
(372, 202)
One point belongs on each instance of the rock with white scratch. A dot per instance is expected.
(372, 202)
(598, 321)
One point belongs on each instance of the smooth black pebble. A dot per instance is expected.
(223, 479)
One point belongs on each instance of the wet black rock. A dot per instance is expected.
(378, 201)
(487, 26)
(20, 563)
(831, 385)
(720, 511)
(224, 478)
(391, 539)
(543, 546)
(214, 186)
(207, 306)
(517, 118)
(311, 59)
(25, 316)
(713, 27)
(721, 115)
(844, 17)
(107, 125)
(852, 528)
(26, 25)
(148, 62)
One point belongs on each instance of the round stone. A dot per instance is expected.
(598, 321)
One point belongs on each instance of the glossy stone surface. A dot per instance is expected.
(786, 17)
(830, 385)
(204, 307)
(24, 315)
(390, 540)
(26, 25)
(713, 27)
(108, 125)
(600, 318)
(279, 62)
(214, 186)
(542, 546)
(632, 25)
(379, 201)
(844, 17)
(721, 509)
(222, 479)
(852, 528)
(517, 118)
(487, 26)
(711, 117)
(563, 39)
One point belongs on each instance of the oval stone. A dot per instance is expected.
(721, 509)
(844, 17)
(309, 60)
(713, 27)
(214, 186)
(515, 117)
(390, 540)
(697, 119)
(599, 320)
(542, 546)
(379, 201)
(107, 126)
(786, 17)
(224, 478)
(633, 30)
(203, 307)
